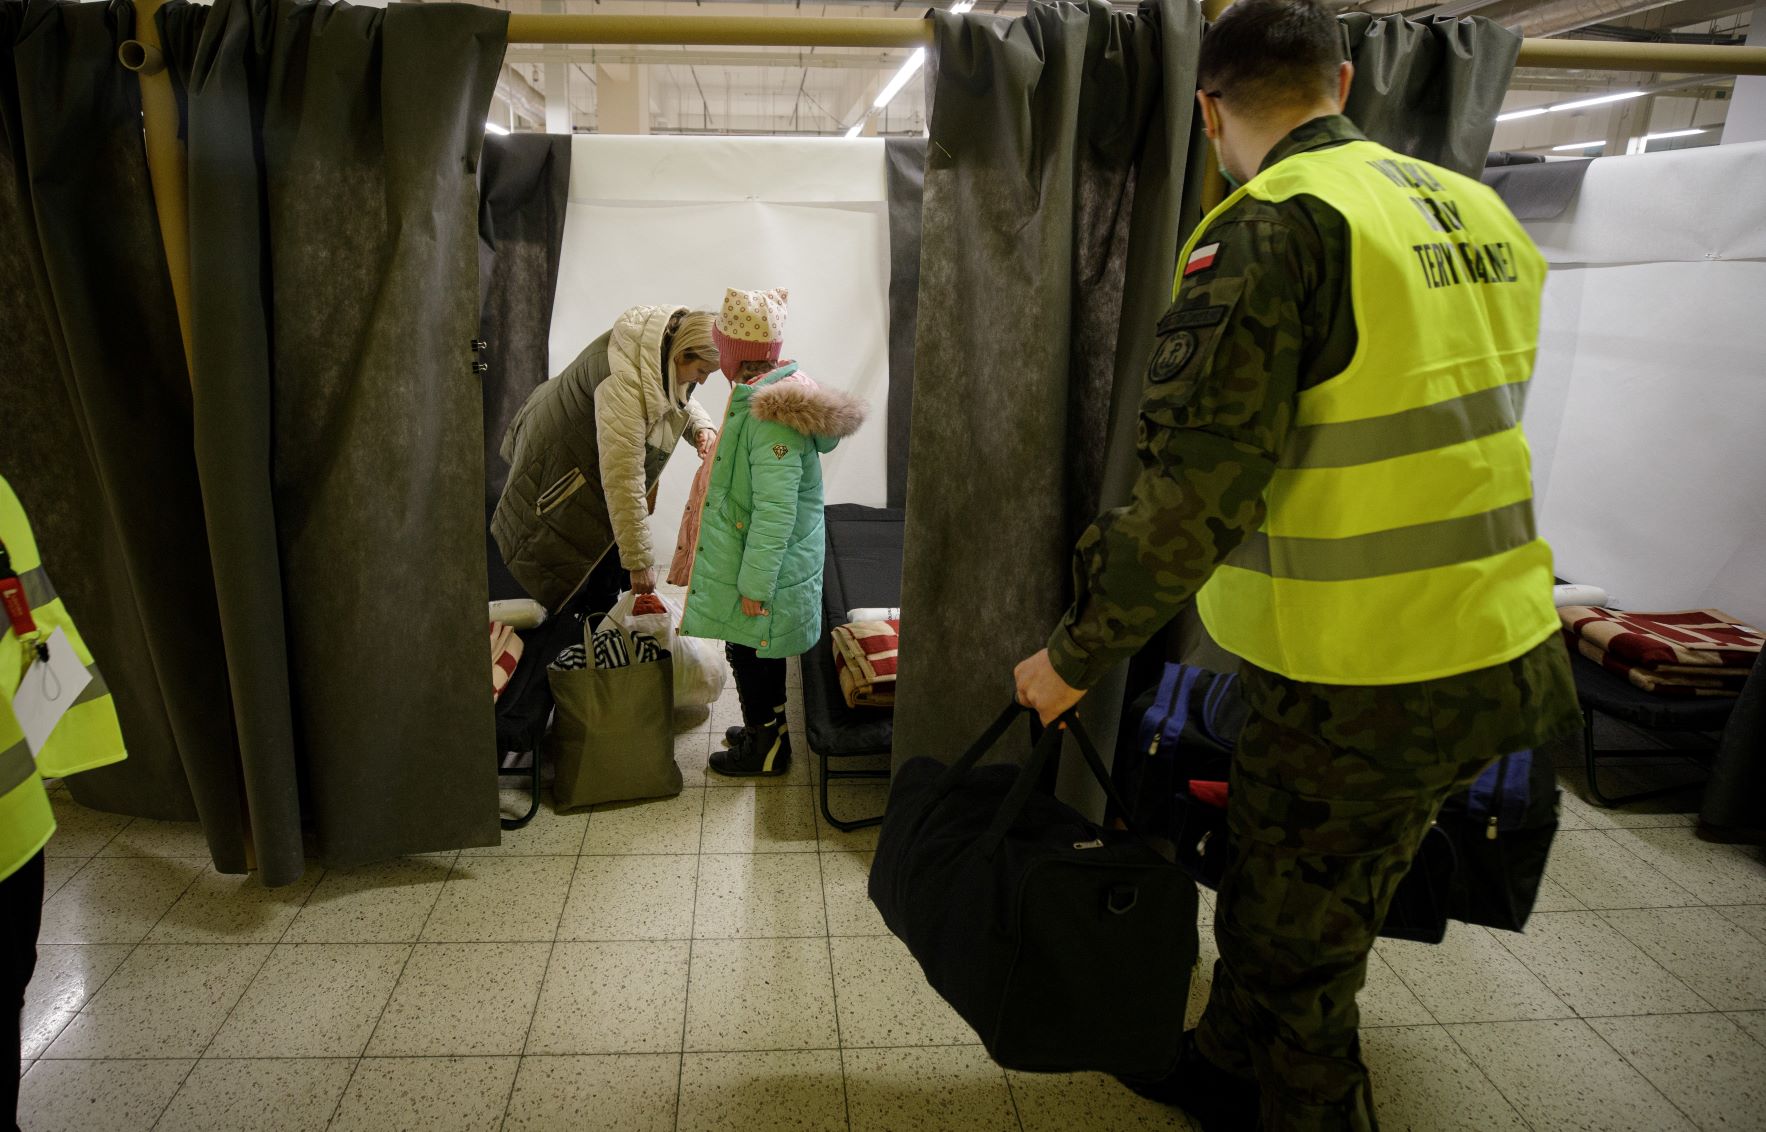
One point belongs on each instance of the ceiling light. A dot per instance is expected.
(961, 6)
(1530, 112)
(492, 127)
(1578, 145)
(1601, 100)
(858, 128)
(1671, 134)
(908, 69)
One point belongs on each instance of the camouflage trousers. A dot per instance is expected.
(1332, 792)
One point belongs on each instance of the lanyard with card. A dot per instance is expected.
(18, 605)
(53, 678)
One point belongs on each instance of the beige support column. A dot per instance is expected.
(555, 76)
(622, 100)
(1627, 125)
(165, 154)
(1746, 120)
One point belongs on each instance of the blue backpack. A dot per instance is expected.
(1481, 862)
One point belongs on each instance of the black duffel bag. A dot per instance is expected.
(1066, 945)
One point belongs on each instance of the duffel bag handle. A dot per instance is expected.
(1102, 774)
(955, 771)
(1030, 774)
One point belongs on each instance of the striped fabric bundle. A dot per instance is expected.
(864, 656)
(1691, 654)
(505, 655)
(610, 649)
(571, 659)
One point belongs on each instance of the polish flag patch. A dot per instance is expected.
(1201, 259)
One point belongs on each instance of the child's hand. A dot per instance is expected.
(752, 608)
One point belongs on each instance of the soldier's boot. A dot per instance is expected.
(1219, 1101)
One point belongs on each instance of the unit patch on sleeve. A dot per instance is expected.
(1201, 259)
(1170, 355)
(780, 451)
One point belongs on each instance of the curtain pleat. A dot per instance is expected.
(1054, 177)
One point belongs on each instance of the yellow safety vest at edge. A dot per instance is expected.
(87, 737)
(1400, 542)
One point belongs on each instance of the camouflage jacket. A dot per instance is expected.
(1271, 317)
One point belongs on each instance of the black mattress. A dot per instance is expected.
(863, 569)
(1618, 697)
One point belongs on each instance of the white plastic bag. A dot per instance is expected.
(700, 668)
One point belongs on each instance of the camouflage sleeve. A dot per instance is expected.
(1219, 402)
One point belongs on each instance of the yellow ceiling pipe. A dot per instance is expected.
(767, 31)
(165, 154)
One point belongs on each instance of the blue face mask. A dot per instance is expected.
(1232, 182)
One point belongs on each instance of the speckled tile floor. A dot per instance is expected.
(712, 962)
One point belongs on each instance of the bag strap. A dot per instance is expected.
(1030, 774)
(954, 773)
(1102, 773)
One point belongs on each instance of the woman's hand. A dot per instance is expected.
(644, 581)
(752, 608)
(706, 441)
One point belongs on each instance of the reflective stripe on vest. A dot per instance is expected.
(16, 765)
(39, 590)
(1399, 542)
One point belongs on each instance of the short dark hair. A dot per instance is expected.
(1271, 54)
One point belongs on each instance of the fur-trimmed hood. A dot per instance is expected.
(805, 407)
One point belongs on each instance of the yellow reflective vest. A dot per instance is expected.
(87, 736)
(1399, 543)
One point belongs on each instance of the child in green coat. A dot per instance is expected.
(757, 570)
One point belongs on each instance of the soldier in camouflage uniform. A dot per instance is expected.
(1333, 786)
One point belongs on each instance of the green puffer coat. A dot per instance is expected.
(761, 531)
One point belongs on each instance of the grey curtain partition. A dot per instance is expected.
(1431, 89)
(1538, 190)
(523, 187)
(339, 430)
(1054, 177)
(906, 163)
(1735, 797)
(95, 426)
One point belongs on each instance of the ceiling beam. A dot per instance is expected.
(709, 57)
(1554, 17)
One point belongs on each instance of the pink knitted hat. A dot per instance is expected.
(749, 328)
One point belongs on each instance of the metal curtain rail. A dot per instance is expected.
(761, 31)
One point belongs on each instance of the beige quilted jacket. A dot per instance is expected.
(584, 452)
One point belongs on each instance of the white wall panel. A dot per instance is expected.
(1648, 408)
(677, 220)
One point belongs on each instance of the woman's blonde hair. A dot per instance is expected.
(693, 338)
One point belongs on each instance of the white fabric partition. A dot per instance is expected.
(1647, 413)
(679, 219)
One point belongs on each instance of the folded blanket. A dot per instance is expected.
(864, 657)
(505, 655)
(1658, 681)
(1699, 638)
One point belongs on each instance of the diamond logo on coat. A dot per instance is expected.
(780, 451)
